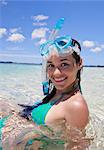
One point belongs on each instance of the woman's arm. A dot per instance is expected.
(77, 113)
(77, 117)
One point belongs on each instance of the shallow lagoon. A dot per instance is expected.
(22, 84)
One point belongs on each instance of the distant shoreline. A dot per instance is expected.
(10, 62)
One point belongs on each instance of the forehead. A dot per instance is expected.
(60, 57)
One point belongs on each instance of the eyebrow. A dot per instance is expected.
(63, 59)
(60, 60)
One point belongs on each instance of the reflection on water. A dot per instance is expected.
(97, 127)
(19, 84)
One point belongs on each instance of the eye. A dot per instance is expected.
(50, 66)
(65, 65)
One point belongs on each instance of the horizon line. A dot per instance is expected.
(26, 63)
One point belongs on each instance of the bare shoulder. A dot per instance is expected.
(76, 111)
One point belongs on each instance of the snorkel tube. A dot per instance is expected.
(55, 31)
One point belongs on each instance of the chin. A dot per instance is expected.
(61, 87)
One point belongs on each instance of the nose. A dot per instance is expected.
(57, 72)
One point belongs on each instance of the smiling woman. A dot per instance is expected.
(64, 109)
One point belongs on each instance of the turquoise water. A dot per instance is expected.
(22, 84)
(92, 87)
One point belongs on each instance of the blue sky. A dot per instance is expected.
(25, 24)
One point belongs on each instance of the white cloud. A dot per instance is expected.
(40, 17)
(96, 49)
(3, 2)
(39, 23)
(15, 48)
(43, 40)
(39, 33)
(102, 46)
(88, 44)
(19, 55)
(16, 37)
(14, 30)
(3, 31)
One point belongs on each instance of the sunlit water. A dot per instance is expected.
(22, 84)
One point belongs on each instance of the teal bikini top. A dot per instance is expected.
(39, 113)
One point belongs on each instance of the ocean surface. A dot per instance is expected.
(22, 84)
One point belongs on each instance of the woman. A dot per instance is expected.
(61, 117)
(64, 109)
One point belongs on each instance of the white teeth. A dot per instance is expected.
(60, 79)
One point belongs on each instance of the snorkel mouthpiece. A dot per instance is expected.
(45, 87)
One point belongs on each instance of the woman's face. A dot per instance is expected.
(62, 70)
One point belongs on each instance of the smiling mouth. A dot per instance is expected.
(58, 80)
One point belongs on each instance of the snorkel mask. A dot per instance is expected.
(64, 44)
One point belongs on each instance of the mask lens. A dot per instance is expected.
(45, 48)
(61, 43)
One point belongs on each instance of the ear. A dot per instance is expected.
(80, 64)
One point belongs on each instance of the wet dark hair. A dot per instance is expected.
(26, 112)
(77, 58)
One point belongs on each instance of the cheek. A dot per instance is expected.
(49, 75)
(72, 73)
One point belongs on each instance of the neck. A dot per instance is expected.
(68, 92)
